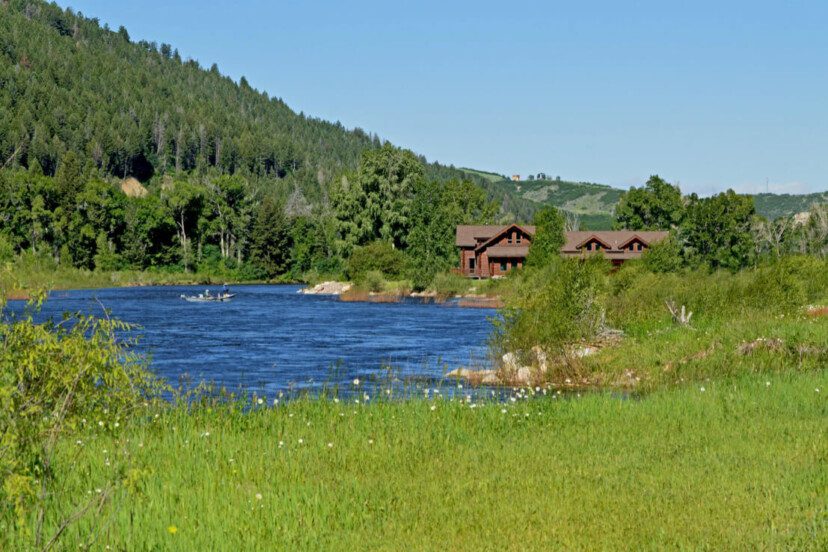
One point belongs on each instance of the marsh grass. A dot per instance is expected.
(737, 463)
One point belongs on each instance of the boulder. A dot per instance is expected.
(462, 373)
(490, 378)
(327, 288)
(523, 375)
(510, 362)
(541, 358)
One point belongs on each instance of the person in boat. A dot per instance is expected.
(225, 290)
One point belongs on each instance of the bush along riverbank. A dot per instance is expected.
(576, 324)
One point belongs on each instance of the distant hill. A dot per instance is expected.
(773, 206)
(595, 203)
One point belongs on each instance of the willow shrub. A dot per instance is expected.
(552, 307)
(56, 377)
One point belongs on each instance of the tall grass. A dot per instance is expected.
(733, 464)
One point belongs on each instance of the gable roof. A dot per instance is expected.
(614, 240)
(594, 237)
(471, 235)
(502, 231)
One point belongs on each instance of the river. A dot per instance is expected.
(271, 338)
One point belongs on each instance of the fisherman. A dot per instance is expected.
(225, 290)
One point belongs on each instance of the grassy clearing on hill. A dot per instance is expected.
(739, 463)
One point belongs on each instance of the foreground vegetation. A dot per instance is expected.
(738, 463)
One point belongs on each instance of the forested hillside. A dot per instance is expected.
(138, 109)
(116, 154)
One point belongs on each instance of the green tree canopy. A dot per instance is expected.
(716, 230)
(549, 237)
(656, 206)
(271, 237)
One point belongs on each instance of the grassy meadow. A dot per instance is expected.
(706, 436)
(737, 463)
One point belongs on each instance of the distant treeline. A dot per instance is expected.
(213, 221)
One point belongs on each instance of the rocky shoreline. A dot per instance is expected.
(346, 292)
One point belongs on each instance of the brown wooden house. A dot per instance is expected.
(488, 251)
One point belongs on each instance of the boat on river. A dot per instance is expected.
(208, 298)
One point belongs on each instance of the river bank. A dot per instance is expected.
(347, 291)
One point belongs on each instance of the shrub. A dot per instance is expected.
(373, 281)
(447, 284)
(378, 256)
(53, 378)
(6, 250)
(554, 307)
(664, 256)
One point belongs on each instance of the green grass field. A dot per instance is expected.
(731, 464)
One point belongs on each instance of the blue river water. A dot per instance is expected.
(271, 338)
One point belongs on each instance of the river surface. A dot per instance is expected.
(271, 338)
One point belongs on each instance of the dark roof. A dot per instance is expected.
(471, 235)
(614, 241)
(508, 252)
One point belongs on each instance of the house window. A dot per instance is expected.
(471, 264)
(509, 241)
(517, 239)
(504, 266)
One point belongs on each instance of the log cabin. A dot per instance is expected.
(490, 251)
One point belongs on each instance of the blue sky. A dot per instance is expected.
(708, 94)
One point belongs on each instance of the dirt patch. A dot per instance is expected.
(17, 295)
(480, 303)
(817, 312)
(359, 296)
(761, 344)
(132, 188)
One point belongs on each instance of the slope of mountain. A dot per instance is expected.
(773, 206)
(137, 109)
(595, 203)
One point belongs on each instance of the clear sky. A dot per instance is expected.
(711, 95)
